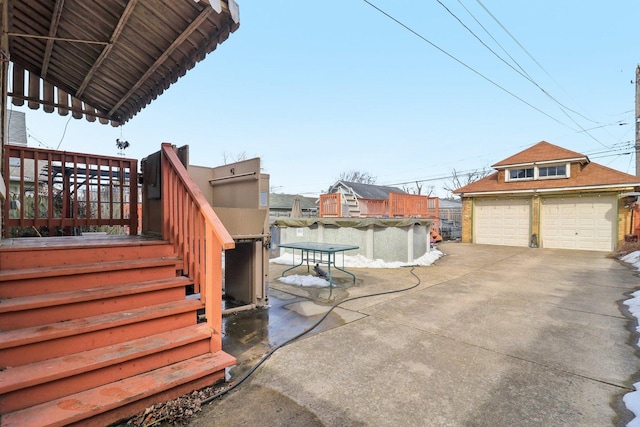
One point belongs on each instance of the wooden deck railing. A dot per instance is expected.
(197, 234)
(66, 192)
(407, 205)
(330, 205)
(413, 206)
(375, 208)
(397, 206)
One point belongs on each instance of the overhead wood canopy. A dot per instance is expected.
(106, 59)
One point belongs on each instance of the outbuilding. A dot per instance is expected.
(548, 196)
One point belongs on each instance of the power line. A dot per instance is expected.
(528, 54)
(513, 38)
(521, 73)
(493, 38)
(64, 132)
(620, 151)
(42, 144)
(463, 63)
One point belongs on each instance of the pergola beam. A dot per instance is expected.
(105, 52)
(166, 54)
(53, 30)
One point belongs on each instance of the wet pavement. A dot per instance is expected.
(292, 311)
(487, 336)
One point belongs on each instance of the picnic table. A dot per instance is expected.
(315, 252)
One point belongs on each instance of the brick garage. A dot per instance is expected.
(551, 197)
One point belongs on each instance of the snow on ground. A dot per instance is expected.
(632, 399)
(356, 261)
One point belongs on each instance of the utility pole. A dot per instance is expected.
(637, 120)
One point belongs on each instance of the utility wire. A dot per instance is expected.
(493, 38)
(518, 64)
(527, 52)
(42, 144)
(513, 38)
(64, 132)
(521, 73)
(619, 151)
(463, 63)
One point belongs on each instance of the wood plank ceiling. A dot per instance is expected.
(108, 59)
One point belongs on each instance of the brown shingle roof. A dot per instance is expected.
(541, 152)
(589, 175)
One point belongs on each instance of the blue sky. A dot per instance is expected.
(316, 89)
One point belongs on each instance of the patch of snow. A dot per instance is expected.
(632, 399)
(356, 261)
(632, 402)
(632, 258)
(360, 261)
(308, 280)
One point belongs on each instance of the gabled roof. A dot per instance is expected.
(366, 191)
(541, 152)
(107, 59)
(285, 201)
(591, 175)
(449, 204)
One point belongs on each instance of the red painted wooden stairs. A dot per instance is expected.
(93, 332)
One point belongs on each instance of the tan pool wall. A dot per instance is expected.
(403, 244)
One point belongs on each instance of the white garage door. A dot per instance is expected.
(578, 223)
(502, 222)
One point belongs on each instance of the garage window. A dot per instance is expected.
(552, 171)
(538, 172)
(517, 174)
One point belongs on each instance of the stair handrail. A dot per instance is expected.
(197, 234)
(350, 196)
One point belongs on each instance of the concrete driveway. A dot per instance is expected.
(492, 336)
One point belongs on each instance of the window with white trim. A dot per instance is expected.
(537, 172)
(519, 174)
(559, 171)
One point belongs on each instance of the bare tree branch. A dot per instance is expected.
(230, 158)
(458, 180)
(361, 177)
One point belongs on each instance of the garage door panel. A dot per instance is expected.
(502, 222)
(585, 223)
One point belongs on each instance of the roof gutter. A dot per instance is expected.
(552, 190)
(544, 162)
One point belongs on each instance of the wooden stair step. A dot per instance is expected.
(82, 334)
(70, 270)
(38, 382)
(81, 406)
(69, 297)
(89, 324)
(52, 369)
(55, 251)
(33, 310)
